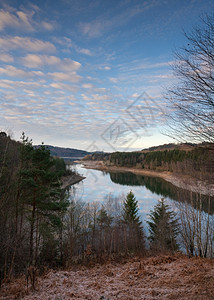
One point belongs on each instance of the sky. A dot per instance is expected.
(91, 74)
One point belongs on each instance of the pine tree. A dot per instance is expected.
(41, 194)
(163, 227)
(134, 239)
(130, 210)
(103, 219)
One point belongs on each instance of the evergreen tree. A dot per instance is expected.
(41, 195)
(163, 227)
(130, 210)
(103, 219)
(134, 237)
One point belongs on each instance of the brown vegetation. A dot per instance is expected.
(160, 277)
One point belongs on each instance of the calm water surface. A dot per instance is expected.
(100, 185)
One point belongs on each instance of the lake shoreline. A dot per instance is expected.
(71, 180)
(186, 182)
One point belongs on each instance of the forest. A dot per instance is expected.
(42, 225)
(165, 160)
(197, 162)
(31, 203)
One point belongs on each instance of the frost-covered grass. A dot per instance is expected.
(160, 277)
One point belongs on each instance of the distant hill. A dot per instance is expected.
(182, 146)
(66, 152)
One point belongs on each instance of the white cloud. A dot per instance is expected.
(33, 45)
(93, 29)
(113, 79)
(14, 72)
(68, 43)
(38, 73)
(71, 77)
(18, 84)
(96, 97)
(106, 68)
(85, 97)
(97, 27)
(63, 86)
(47, 26)
(59, 103)
(63, 41)
(37, 61)
(24, 20)
(84, 51)
(20, 20)
(135, 95)
(6, 57)
(101, 90)
(69, 65)
(87, 86)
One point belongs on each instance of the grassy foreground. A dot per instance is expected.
(157, 277)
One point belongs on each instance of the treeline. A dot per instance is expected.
(32, 204)
(200, 160)
(66, 152)
(95, 232)
(97, 156)
(42, 226)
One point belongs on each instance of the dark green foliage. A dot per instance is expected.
(134, 237)
(163, 227)
(41, 192)
(165, 156)
(200, 159)
(32, 204)
(97, 156)
(130, 210)
(155, 184)
(128, 159)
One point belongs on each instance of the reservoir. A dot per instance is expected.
(98, 186)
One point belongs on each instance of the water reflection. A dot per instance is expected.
(110, 190)
(154, 184)
(98, 185)
(163, 188)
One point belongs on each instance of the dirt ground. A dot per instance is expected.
(160, 277)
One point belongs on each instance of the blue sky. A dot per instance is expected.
(91, 74)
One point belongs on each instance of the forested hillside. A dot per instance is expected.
(66, 152)
(198, 162)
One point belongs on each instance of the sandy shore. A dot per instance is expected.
(186, 182)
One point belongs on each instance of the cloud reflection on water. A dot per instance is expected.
(98, 186)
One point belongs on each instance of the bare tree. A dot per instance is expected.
(196, 226)
(192, 99)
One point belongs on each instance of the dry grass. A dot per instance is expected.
(160, 277)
